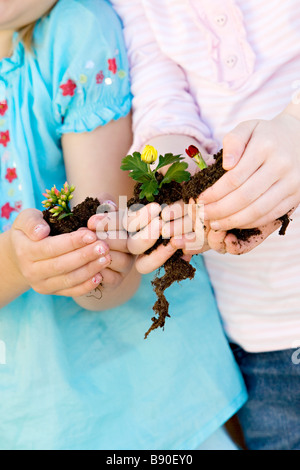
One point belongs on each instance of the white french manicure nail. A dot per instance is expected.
(100, 250)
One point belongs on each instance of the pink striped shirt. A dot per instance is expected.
(199, 68)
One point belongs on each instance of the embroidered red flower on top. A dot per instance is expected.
(68, 89)
(3, 107)
(4, 138)
(112, 66)
(6, 211)
(11, 174)
(99, 78)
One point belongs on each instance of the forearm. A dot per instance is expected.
(104, 299)
(12, 283)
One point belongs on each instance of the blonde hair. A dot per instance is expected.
(26, 32)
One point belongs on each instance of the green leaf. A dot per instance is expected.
(64, 215)
(138, 169)
(149, 190)
(177, 172)
(168, 159)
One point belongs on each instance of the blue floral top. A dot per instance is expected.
(75, 80)
(69, 378)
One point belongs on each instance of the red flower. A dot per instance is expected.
(112, 65)
(192, 151)
(4, 138)
(99, 78)
(68, 89)
(6, 211)
(11, 174)
(3, 107)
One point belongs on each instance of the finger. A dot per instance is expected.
(177, 227)
(106, 222)
(233, 179)
(146, 238)
(32, 224)
(235, 143)
(88, 288)
(135, 221)
(147, 263)
(76, 278)
(116, 241)
(246, 194)
(174, 211)
(266, 209)
(216, 241)
(235, 246)
(121, 262)
(273, 216)
(187, 258)
(111, 279)
(72, 261)
(107, 205)
(52, 247)
(190, 244)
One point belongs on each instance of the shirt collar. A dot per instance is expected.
(16, 60)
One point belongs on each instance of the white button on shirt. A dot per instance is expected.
(221, 20)
(231, 61)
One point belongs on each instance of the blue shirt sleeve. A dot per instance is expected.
(81, 45)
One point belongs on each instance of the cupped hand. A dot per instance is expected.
(263, 183)
(108, 226)
(65, 265)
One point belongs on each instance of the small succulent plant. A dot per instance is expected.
(58, 202)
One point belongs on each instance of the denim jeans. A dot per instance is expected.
(271, 418)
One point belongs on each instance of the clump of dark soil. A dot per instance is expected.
(79, 218)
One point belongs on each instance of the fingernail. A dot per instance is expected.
(110, 203)
(228, 161)
(40, 228)
(215, 226)
(97, 279)
(89, 238)
(107, 206)
(100, 250)
(104, 260)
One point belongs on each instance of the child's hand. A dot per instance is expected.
(65, 265)
(108, 227)
(264, 182)
(219, 241)
(144, 228)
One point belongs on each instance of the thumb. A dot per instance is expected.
(235, 143)
(32, 224)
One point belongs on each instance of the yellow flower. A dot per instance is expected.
(149, 154)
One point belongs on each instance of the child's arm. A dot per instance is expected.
(93, 163)
(162, 103)
(264, 182)
(66, 265)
